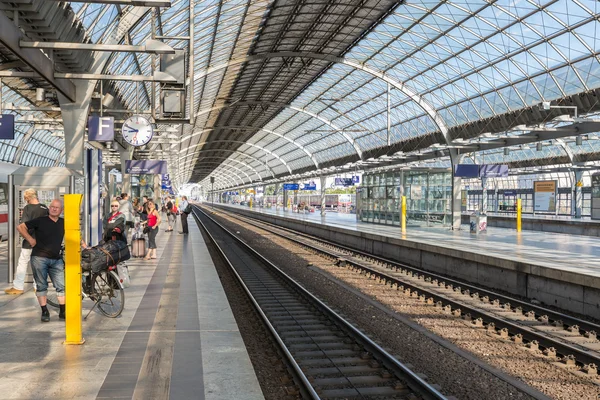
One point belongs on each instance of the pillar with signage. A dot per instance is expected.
(544, 197)
(286, 188)
(323, 180)
(596, 196)
(478, 221)
(578, 194)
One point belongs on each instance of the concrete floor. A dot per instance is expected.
(175, 339)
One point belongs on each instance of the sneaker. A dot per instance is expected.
(12, 290)
(45, 316)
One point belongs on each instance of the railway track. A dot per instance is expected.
(326, 355)
(561, 337)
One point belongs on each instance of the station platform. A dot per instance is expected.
(176, 338)
(557, 269)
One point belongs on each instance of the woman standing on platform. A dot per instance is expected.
(153, 224)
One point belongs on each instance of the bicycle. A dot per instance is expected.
(104, 288)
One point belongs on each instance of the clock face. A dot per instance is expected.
(137, 131)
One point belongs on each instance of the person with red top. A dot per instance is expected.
(153, 224)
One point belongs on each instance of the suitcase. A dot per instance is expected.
(138, 248)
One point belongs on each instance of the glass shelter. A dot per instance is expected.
(428, 197)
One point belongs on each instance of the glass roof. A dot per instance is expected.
(439, 66)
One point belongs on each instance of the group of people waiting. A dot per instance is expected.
(125, 214)
(43, 231)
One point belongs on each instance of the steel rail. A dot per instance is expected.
(413, 381)
(583, 356)
(299, 377)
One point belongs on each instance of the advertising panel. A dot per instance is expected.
(416, 192)
(145, 167)
(544, 196)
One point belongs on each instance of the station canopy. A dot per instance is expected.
(284, 89)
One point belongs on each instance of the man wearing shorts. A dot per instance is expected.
(46, 259)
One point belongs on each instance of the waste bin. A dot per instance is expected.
(478, 223)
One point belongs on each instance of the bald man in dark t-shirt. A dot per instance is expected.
(45, 255)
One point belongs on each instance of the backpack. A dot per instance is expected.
(174, 209)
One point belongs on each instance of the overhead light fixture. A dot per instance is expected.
(107, 99)
(40, 94)
(506, 151)
(538, 146)
(578, 140)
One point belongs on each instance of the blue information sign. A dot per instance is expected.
(291, 186)
(7, 127)
(481, 171)
(355, 179)
(493, 170)
(343, 182)
(308, 186)
(510, 193)
(466, 171)
(101, 129)
(145, 167)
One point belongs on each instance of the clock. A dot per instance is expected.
(137, 130)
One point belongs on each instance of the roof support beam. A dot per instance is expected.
(152, 46)
(10, 36)
(196, 153)
(423, 104)
(288, 106)
(137, 3)
(301, 147)
(158, 76)
(248, 144)
(237, 161)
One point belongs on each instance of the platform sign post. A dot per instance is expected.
(403, 214)
(518, 215)
(73, 269)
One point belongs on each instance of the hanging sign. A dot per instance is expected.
(101, 129)
(7, 127)
(355, 179)
(481, 171)
(493, 171)
(291, 186)
(466, 171)
(544, 196)
(308, 186)
(510, 193)
(343, 182)
(145, 167)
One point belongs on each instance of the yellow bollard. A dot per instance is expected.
(518, 215)
(403, 215)
(73, 269)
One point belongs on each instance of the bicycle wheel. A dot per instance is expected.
(108, 293)
(52, 299)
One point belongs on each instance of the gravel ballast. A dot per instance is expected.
(457, 375)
